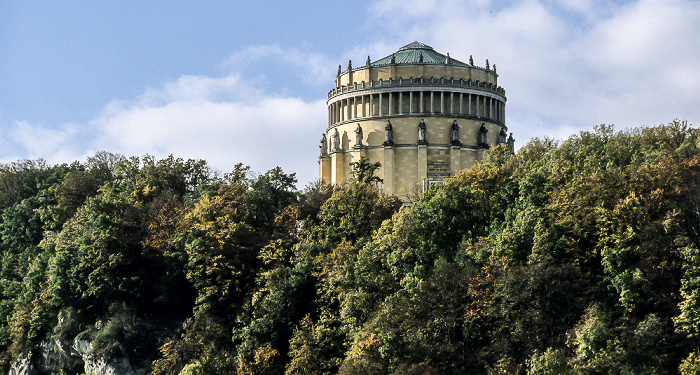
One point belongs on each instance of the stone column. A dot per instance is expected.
(498, 110)
(364, 113)
(380, 104)
(470, 105)
(442, 102)
(391, 104)
(431, 101)
(353, 109)
(346, 108)
(421, 108)
(477, 106)
(410, 102)
(503, 112)
(452, 102)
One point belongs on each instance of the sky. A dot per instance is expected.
(246, 81)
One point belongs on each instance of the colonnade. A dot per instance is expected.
(424, 102)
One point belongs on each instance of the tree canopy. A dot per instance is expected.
(578, 256)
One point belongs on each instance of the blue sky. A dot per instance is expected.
(246, 81)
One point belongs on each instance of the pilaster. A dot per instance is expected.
(422, 164)
(324, 168)
(389, 170)
(455, 159)
(358, 152)
(337, 167)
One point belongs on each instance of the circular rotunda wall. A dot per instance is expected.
(423, 115)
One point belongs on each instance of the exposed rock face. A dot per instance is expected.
(22, 366)
(59, 356)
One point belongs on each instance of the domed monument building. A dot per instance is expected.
(423, 115)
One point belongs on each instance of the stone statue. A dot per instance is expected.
(471, 61)
(483, 141)
(420, 57)
(358, 136)
(393, 59)
(388, 134)
(487, 64)
(336, 141)
(511, 143)
(454, 134)
(339, 69)
(502, 136)
(368, 62)
(349, 65)
(324, 145)
(421, 132)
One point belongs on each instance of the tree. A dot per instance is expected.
(363, 171)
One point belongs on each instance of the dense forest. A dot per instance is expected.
(578, 256)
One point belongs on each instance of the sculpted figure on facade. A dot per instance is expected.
(421, 132)
(454, 134)
(483, 140)
(394, 95)
(358, 136)
(511, 143)
(336, 140)
(502, 136)
(388, 134)
(324, 145)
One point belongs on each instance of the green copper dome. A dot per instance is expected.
(417, 53)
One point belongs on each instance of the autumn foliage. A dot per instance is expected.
(579, 256)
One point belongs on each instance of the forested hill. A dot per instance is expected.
(571, 257)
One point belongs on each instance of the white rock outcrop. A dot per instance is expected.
(59, 356)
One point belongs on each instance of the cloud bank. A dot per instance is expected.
(225, 120)
(566, 65)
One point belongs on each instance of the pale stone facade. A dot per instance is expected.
(438, 109)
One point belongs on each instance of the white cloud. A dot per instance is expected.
(23, 140)
(263, 133)
(568, 65)
(311, 67)
(224, 120)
